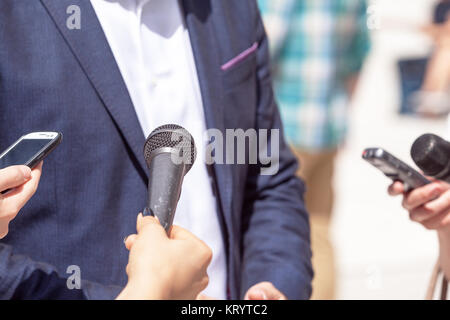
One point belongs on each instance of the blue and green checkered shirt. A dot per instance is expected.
(317, 46)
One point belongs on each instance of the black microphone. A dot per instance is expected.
(431, 153)
(170, 153)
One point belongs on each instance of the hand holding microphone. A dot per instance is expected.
(430, 204)
(166, 262)
(165, 266)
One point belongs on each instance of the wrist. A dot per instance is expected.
(143, 290)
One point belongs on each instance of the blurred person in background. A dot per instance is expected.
(433, 99)
(318, 49)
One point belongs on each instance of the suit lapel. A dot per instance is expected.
(198, 17)
(90, 47)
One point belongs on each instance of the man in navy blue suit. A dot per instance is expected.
(107, 72)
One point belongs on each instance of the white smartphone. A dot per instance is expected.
(30, 149)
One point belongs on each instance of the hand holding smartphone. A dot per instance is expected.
(30, 149)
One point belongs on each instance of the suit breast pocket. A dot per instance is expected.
(240, 93)
(240, 68)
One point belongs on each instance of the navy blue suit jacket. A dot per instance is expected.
(56, 79)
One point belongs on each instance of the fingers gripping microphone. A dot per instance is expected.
(431, 153)
(170, 153)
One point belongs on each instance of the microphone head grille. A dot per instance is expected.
(431, 154)
(174, 137)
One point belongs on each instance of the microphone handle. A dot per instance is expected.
(164, 188)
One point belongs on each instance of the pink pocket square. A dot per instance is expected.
(240, 57)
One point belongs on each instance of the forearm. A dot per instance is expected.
(24, 279)
(285, 259)
(444, 251)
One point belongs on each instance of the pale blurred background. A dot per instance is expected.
(380, 253)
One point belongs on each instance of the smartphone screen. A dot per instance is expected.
(23, 152)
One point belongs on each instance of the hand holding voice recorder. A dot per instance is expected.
(394, 168)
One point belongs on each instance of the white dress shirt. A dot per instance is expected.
(151, 45)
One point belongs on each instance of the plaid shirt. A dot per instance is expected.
(317, 45)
